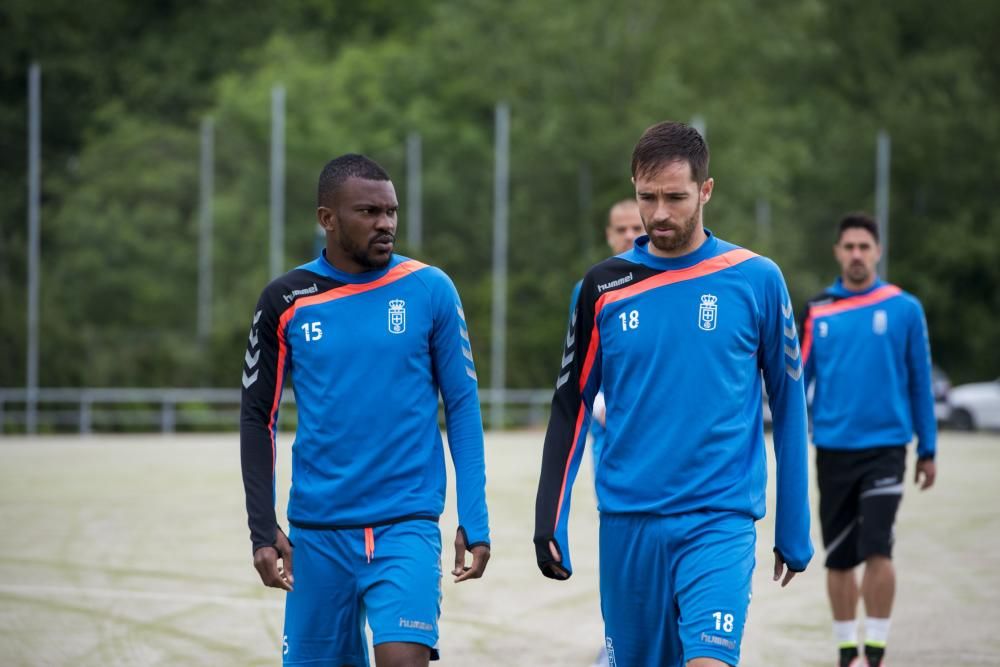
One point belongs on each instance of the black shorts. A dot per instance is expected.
(859, 494)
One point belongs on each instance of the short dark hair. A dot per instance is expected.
(339, 169)
(668, 142)
(857, 220)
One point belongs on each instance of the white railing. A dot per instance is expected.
(89, 410)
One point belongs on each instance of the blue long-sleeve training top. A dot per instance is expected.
(367, 354)
(868, 356)
(679, 347)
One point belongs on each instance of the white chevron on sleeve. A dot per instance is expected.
(794, 373)
(790, 331)
(253, 338)
(563, 379)
(249, 380)
(792, 352)
(251, 359)
(256, 316)
(786, 310)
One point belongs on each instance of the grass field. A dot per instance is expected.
(134, 551)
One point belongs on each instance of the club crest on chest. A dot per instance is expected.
(397, 316)
(708, 312)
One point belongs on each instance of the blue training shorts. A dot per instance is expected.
(675, 588)
(388, 575)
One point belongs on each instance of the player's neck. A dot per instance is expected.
(852, 286)
(344, 262)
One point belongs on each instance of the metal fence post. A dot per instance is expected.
(168, 416)
(86, 417)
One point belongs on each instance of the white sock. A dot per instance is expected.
(876, 631)
(845, 633)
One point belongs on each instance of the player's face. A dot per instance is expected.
(624, 227)
(360, 225)
(858, 253)
(670, 202)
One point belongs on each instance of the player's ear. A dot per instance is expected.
(706, 190)
(326, 218)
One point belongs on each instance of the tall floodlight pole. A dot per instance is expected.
(205, 230)
(277, 181)
(585, 189)
(414, 191)
(34, 239)
(763, 222)
(698, 123)
(882, 157)
(501, 187)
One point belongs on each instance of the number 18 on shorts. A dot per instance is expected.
(674, 588)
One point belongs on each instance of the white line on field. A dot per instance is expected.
(73, 591)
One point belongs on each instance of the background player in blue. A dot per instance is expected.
(865, 347)
(369, 339)
(678, 332)
(623, 228)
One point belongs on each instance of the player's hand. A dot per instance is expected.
(265, 560)
(559, 571)
(779, 567)
(928, 471)
(600, 410)
(480, 557)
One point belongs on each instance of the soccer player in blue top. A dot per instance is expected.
(865, 348)
(678, 332)
(368, 339)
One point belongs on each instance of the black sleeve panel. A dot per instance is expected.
(611, 275)
(262, 384)
(818, 300)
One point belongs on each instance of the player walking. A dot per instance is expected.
(678, 331)
(865, 345)
(368, 338)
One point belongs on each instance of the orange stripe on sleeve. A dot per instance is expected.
(588, 364)
(279, 383)
(807, 338)
(569, 459)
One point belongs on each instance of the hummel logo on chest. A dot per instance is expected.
(604, 287)
(295, 293)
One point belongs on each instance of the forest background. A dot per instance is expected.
(792, 96)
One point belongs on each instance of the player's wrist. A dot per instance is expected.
(788, 564)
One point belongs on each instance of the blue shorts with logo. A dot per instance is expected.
(389, 576)
(675, 588)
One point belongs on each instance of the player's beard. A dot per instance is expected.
(858, 273)
(685, 230)
(365, 256)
